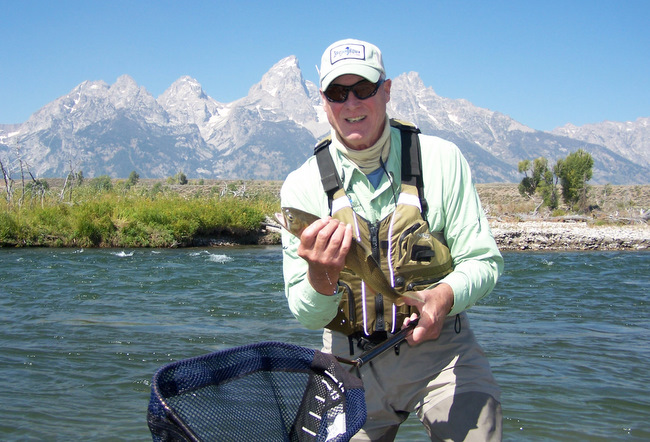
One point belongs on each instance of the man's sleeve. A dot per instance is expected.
(477, 260)
(312, 309)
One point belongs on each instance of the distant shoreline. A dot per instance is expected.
(531, 235)
(569, 236)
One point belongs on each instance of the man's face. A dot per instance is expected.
(359, 123)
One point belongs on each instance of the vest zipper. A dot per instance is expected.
(373, 229)
(380, 325)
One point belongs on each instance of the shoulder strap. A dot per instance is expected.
(328, 175)
(411, 163)
(412, 159)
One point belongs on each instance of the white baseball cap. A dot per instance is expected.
(351, 56)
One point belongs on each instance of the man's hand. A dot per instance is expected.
(437, 304)
(324, 245)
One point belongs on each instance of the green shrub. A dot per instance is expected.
(102, 183)
(135, 216)
(9, 229)
(93, 223)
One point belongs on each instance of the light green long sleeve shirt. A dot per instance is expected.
(454, 209)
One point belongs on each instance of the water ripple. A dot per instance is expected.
(83, 331)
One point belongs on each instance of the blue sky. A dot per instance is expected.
(544, 63)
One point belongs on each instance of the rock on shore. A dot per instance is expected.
(547, 235)
(544, 235)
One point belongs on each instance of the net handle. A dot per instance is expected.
(394, 341)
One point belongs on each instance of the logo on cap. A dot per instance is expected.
(347, 52)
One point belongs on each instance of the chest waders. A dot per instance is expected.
(411, 257)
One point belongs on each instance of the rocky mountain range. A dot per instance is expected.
(104, 129)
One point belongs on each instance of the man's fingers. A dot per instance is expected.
(326, 241)
(347, 240)
(340, 241)
(309, 235)
(409, 319)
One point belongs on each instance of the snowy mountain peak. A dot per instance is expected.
(289, 63)
(413, 82)
(283, 94)
(629, 139)
(115, 129)
(187, 103)
(283, 78)
(185, 87)
(125, 85)
(91, 88)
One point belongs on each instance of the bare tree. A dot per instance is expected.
(39, 187)
(9, 182)
(22, 178)
(71, 179)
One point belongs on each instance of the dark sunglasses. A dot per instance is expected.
(337, 93)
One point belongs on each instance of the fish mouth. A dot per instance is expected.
(280, 218)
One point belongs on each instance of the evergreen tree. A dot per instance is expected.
(133, 178)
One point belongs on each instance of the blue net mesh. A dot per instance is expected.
(265, 391)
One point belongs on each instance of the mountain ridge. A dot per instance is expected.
(105, 129)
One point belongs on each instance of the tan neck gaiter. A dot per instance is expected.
(367, 159)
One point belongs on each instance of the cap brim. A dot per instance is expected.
(367, 72)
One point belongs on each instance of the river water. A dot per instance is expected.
(83, 331)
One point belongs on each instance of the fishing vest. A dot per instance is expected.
(411, 257)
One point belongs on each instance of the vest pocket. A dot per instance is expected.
(421, 257)
(415, 245)
(345, 319)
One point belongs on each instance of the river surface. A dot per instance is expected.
(83, 331)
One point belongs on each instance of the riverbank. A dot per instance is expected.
(545, 235)
(618, 221)
(216, 213)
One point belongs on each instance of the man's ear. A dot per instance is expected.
(386, 85)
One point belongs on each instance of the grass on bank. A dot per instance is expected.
(134, 216)
(155, 213)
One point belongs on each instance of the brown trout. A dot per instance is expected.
(359, 259)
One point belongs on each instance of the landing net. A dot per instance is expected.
(268, 391)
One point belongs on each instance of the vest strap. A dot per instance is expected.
(412, 160)
(340, 203)
(329, 176)
(409, 199)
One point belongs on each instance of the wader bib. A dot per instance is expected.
(411, 257)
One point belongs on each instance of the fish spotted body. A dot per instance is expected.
(359, 259)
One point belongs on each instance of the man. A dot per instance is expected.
(442, 375)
